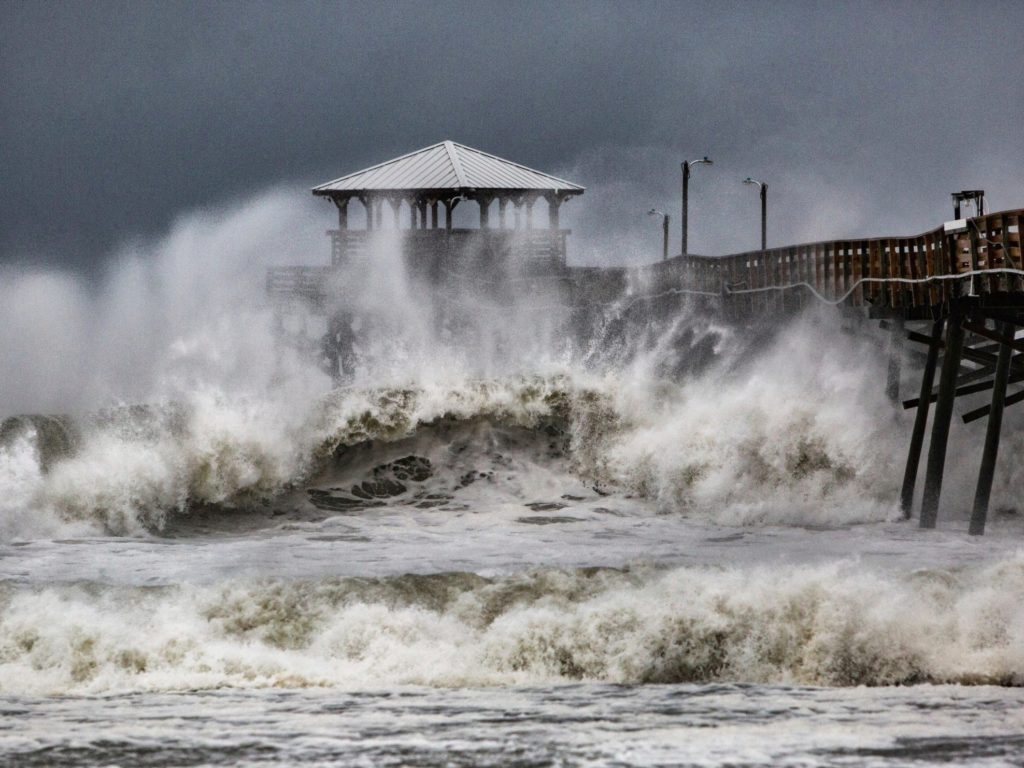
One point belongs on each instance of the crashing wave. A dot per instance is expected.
(817, 625)
(130, 470)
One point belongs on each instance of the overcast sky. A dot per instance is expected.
(862, 117)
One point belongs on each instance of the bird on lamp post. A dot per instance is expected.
(764, 209)
(686, 194)
(664, 228)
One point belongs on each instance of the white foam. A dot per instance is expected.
(839, 624)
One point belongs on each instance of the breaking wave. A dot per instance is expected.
(835, 625)
(798, 434)
(726, 447)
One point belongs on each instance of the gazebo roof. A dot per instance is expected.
(450, 168)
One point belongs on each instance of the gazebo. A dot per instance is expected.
(446, 174)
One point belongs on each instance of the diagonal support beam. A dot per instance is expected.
(974, 354)
(970, 389)
(1005, 339)
(980, 413)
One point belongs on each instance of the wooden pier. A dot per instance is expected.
(963, 282)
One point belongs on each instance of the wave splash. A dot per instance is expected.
(835, 625)
(733, 449)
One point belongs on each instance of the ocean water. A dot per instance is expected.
(673, 542)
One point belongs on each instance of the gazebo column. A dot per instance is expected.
(413, 214)
(554, 204)
(449, 207)
(502, 205)
(365, 202)
(517, 209)
(342, 205)
(395, 204)
(530, 200)
(421, 206)
(378, 218)
(484, 200)
(433, 214)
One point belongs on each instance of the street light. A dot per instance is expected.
(764, 210)
(686, 192)
(664, 228)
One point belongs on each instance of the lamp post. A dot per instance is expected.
(664, 229)
(764, 210)
(686, 193)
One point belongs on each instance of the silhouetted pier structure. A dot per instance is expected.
(962, 283)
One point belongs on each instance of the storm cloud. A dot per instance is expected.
(862, 117)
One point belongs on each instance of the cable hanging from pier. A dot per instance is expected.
(863, 280)
(626, 305)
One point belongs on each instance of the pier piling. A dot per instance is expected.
(943, 416)
(979, 513)
(920, 421)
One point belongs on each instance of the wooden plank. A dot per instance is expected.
(875, 267)
(862, 250)
(819, 269)
(836, 263)
(933, 257)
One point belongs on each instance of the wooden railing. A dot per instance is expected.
(429, 254)
(860, 272)
(837, 267)
(524, 244)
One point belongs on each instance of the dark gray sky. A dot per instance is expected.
(116, 117)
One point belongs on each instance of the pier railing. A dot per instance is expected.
(535, 245)
(865, 272)
(902, 275)
(473, 256)
(299, 283)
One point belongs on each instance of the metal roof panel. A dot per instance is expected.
(448, 166)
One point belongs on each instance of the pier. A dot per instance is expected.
(962, 283)
(957, 290)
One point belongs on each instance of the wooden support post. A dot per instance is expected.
(529, 211)
(433, 214)
(892, 382)
(502, 205)
(943, 415)
(413, 217)
(920, 422)
(995, 422)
